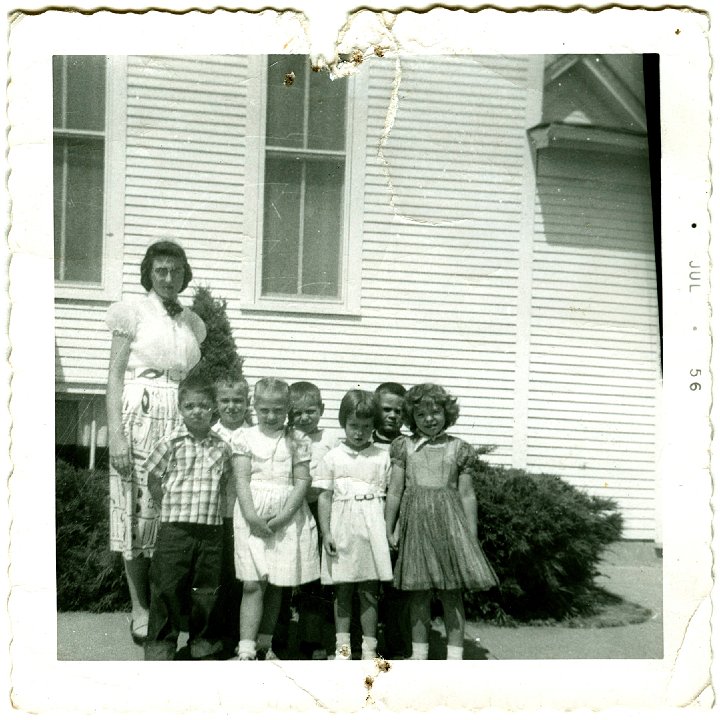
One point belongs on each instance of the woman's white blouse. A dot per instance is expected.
(157, 340)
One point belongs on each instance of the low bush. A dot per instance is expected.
(89, 576)
(544, 538)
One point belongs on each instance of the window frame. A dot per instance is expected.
(349, 300)
(110, 286)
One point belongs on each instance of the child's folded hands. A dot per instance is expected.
(275, 522)
(259, 527)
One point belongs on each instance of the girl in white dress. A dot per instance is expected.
(276, 542)
(353, 478)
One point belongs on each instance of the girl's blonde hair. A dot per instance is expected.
(271, 386)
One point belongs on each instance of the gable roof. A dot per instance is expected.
(598, 90)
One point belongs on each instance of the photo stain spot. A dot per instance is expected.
(369, 683)
(289, 79)
(382, 664)
(677, 31)
(379, 51)
(694, 225)
(357, 57)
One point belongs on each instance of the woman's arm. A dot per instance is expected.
(154, 482)
(392, 503)
(324, 515)
(119, 448)
(301, 478)
(241, 465)
(469, 501)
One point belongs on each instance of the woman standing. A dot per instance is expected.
(155, 342)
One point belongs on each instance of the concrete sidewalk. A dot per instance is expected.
(630, 570)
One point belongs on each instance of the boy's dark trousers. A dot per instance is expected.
(394, 617)
(225, 621)
(187, 559)
(316, 622)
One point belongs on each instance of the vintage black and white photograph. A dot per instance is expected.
(358, 362)
(464, 237)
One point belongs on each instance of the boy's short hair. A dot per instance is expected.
(196, 382)
(232, 375)
(271, 386)
(304, 390)
(429, 392)
(360, 403)
(390, 387)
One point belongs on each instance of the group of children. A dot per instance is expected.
(250, 511)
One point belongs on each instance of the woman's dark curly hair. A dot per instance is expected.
(163, 248)
(429, 393)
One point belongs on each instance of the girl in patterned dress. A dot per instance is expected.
(353, 479)
(276, 543)
(431, 489)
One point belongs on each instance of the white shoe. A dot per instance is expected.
(343, 653)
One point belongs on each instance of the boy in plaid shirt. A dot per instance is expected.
(187, 473)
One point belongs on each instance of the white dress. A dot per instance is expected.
(359, 481)
(290, 556)
(228, 507)
(158, 344)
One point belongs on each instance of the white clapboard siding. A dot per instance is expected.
(184, 177)
(185, 161)
(594, 362)
(441, 219)
(444, 218)
(82, 346)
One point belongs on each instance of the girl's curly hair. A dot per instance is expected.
(426, 393)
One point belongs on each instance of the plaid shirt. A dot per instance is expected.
(194, 473)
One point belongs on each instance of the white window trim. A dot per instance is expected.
(110, 286)
(349, 302)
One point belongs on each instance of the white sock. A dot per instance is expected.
(342, 646)
(369, 647)
(420, 651)
(264, 641)
(246, 647)
(454, 652)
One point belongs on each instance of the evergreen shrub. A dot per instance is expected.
(89, 576)
(545, 539)
(218, 350)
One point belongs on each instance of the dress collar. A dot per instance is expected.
(352, 452)
(419, 440)
(159, 304)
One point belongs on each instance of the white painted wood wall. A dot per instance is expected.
(548, 342)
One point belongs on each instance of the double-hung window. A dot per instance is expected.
(309, 151)
(87, 172)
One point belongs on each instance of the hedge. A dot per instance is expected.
(545, 539)
(543, 536)
(89, 576)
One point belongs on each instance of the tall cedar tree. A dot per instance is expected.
(218, 350)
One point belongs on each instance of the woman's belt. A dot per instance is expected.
(174, 376)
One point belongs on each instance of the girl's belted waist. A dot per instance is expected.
(358, 497)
